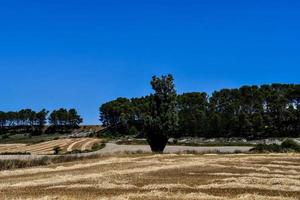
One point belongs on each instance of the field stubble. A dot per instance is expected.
(45, 148)
(170, 176)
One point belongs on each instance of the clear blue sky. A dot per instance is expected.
(79, 53)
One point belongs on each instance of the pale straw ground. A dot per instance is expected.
(66, 145)
(169, 176)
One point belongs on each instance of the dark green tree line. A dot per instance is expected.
(192, 114)
(249, 111)
(25, 120)
(29, 121)
(64, 120)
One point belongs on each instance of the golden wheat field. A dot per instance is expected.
(67, 145)
(169, 176)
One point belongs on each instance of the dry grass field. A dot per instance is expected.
(169, 176)
(67, 145)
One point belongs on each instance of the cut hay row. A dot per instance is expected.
(81, 143)
(64, 144)
(89, 144)
(77, 145)
(67, 145)
(8, 147)
(47, 147)
(11, 145)
(148, 177)
(71, 146)
(44, 152)
(36, 149)
(42, 144)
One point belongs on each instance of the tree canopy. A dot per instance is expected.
(249, 111)
(29, 121)
(25, 120)
(162, 120)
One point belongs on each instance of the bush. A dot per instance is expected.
(290, 144)
(57, 150)
(106, 134)
(98, 146)
(75, 151)
(263, 148)
(287, 146)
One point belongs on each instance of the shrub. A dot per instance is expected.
(290, 144)
(106, 134)
(57, 150)
(98, 146)
(287, 146)
(263, 148)
(75, 151)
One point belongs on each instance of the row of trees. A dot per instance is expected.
(23, 120)
(30, 121)
(64, 120)
(250, 111)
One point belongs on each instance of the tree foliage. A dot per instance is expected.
(162, 120)
(29, 121)
(64, 120)
(25, 120)
(249, 111)
(192, 114)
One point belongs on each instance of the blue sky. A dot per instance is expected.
(78, 53)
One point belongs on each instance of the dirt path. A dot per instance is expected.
(114, 148)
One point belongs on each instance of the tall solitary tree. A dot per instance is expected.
(162, 121)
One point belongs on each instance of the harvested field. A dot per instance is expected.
(45, 148)
(170, 176)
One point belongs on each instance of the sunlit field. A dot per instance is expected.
(169, 176)
(66, 145)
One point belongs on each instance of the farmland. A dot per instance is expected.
(66, 145)
(169, 176)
